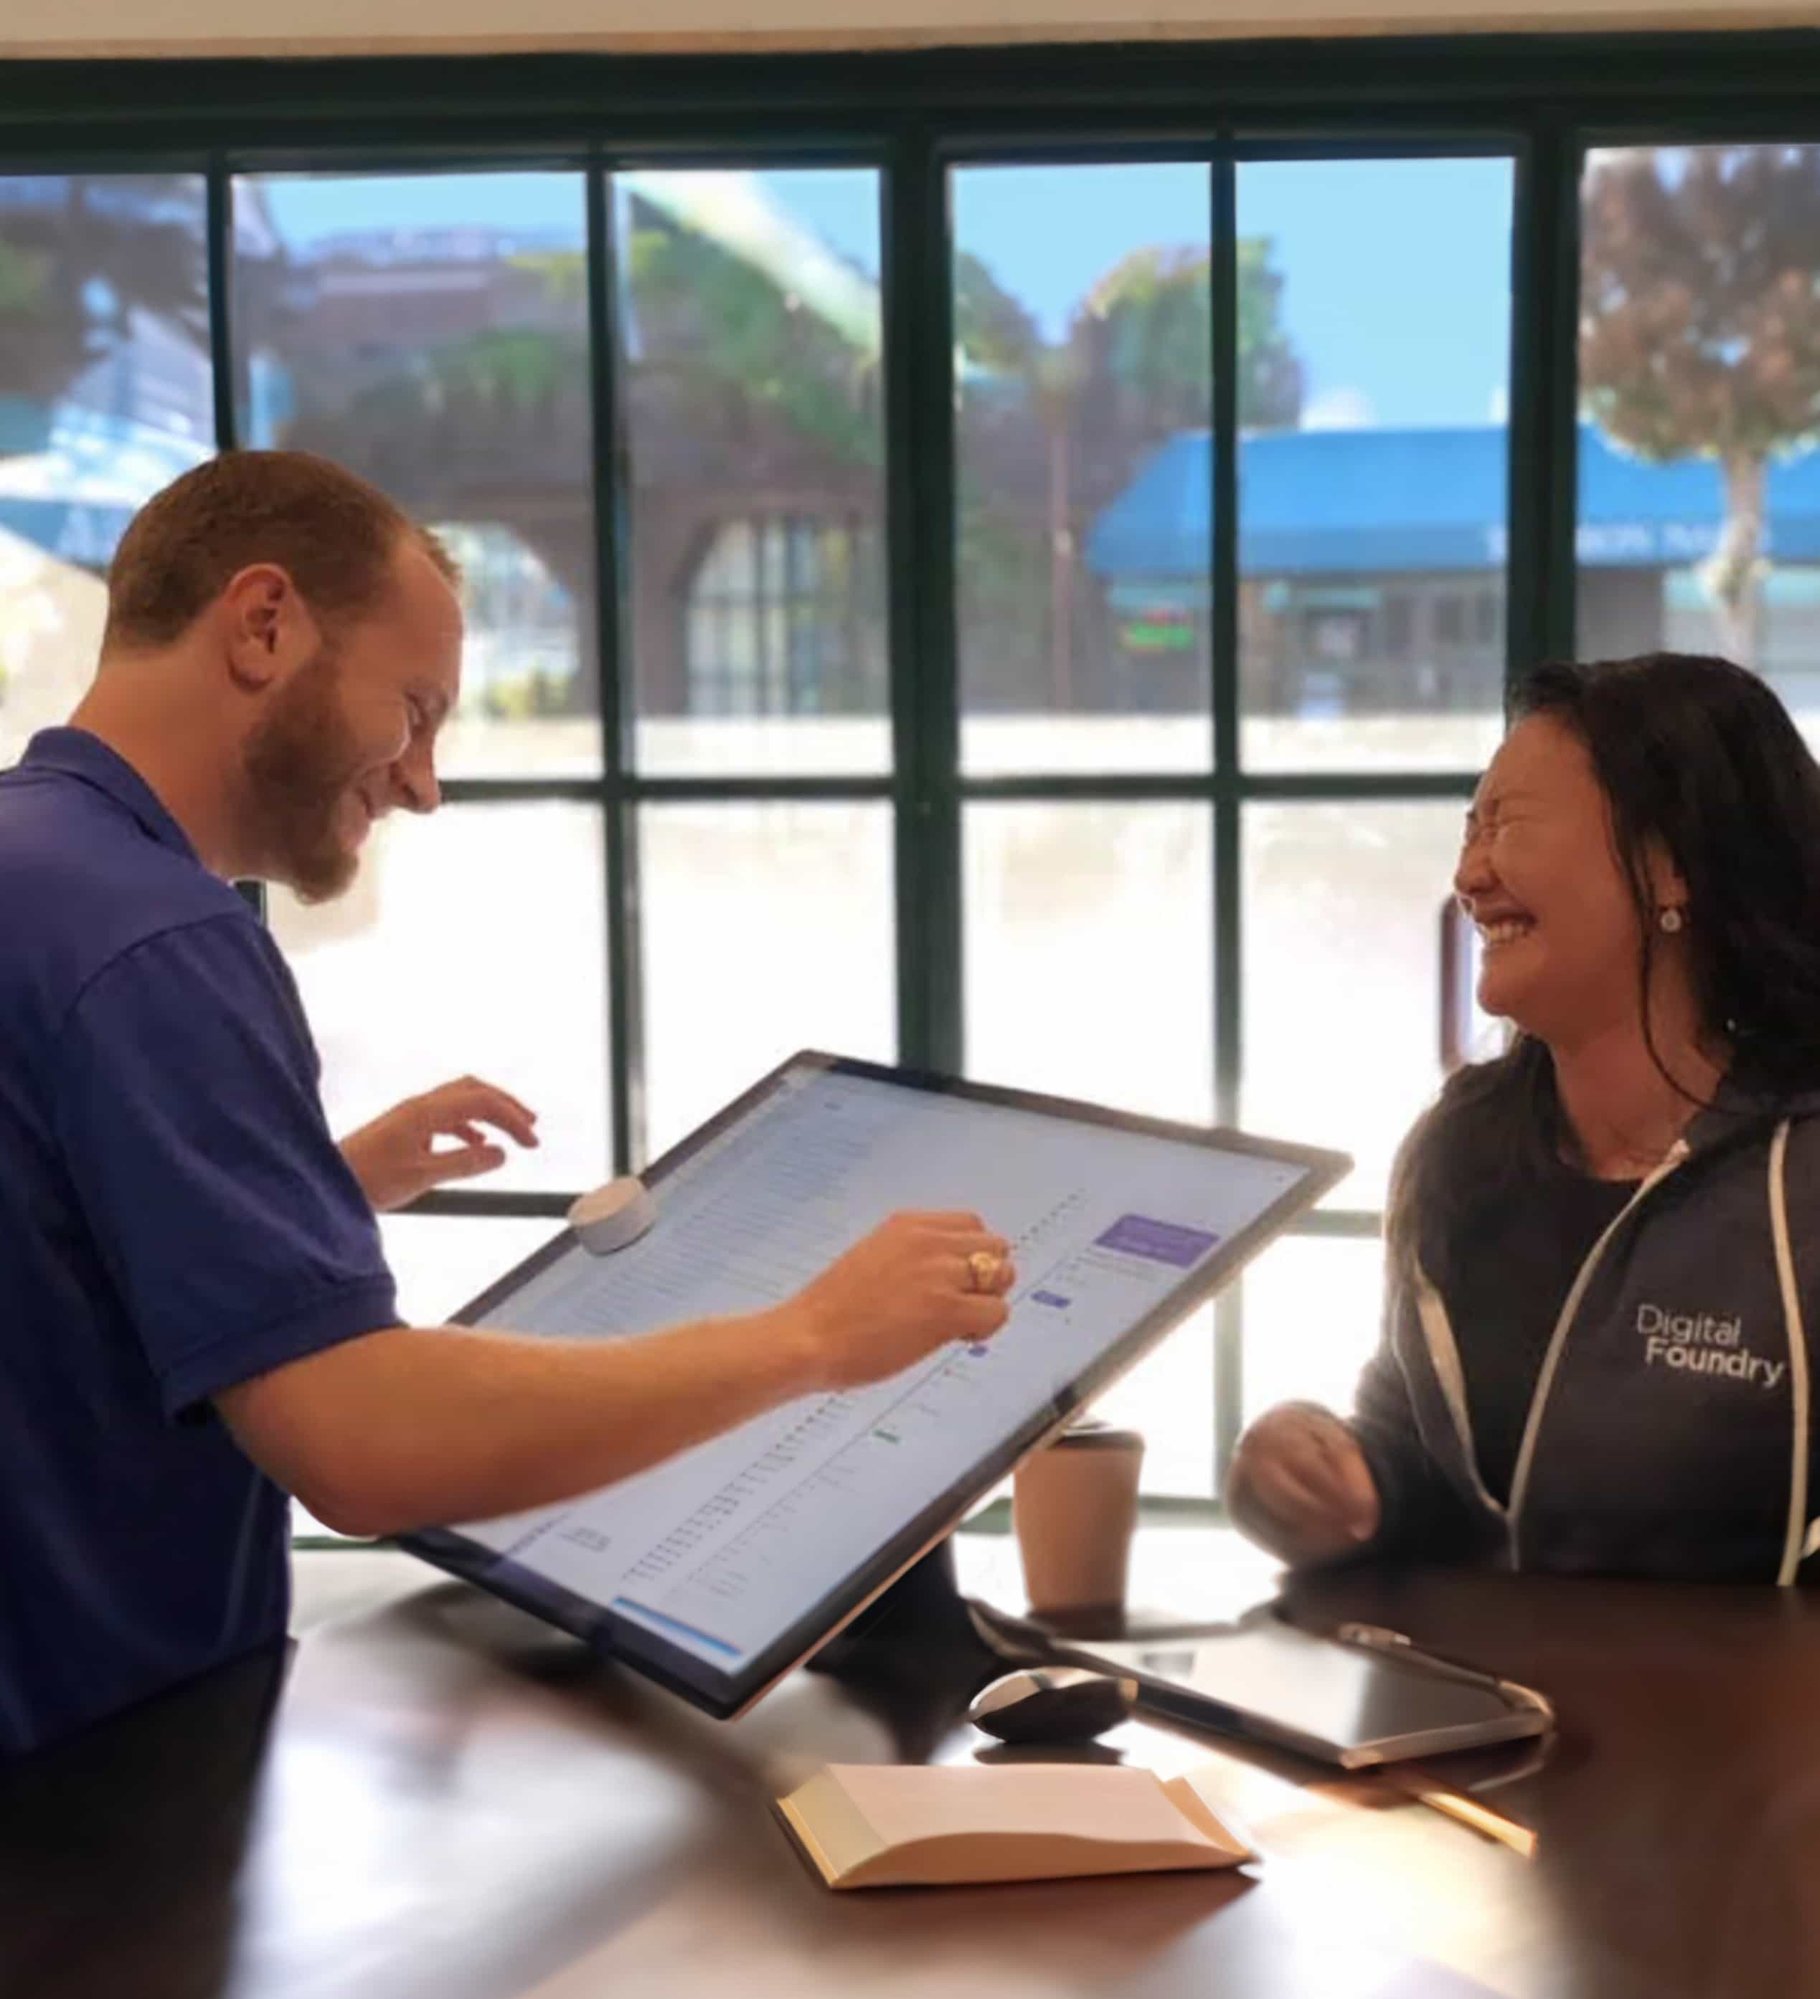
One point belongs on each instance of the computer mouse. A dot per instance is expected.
(1053, 1704)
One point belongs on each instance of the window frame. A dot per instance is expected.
(1543, 101)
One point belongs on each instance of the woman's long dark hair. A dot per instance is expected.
(1698, 755)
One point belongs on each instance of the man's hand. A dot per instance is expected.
(1301, 1485)
(395, 1157)
(900, 1293)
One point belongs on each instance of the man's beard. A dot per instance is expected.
(300, 761)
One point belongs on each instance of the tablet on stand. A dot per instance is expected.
(718, 1570)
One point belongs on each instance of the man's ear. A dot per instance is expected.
(265, 626)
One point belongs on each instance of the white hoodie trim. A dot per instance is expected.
(1795, 1541)
(1551, 1361)
(1444, 1353)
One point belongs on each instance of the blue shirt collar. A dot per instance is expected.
(75, 753)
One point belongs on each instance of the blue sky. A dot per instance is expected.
(1396, 272)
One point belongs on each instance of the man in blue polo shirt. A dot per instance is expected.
(195, 1314)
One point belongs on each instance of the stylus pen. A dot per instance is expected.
(1376, 1638)
(1466, 1811)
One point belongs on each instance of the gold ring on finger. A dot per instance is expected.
(983, 1267)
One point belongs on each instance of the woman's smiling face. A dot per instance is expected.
(1540, 876)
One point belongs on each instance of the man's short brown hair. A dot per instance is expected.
(335, 535)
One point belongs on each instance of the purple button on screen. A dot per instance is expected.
(1047, 1298)
(1162, 1242)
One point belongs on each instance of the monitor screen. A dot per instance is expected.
(721, 1567)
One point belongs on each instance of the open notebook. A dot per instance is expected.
(882, 1825)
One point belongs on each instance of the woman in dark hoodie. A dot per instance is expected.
(1604, 1246)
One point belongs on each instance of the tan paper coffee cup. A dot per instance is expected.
(1074, 1509)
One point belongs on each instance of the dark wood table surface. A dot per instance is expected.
(437, 1798)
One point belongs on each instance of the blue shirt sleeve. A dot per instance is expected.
(189, 1120)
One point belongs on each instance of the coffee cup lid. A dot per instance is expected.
(1098, 1436)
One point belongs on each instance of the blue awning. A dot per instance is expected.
(1327, 502)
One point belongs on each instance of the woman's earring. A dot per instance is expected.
(1670, 919)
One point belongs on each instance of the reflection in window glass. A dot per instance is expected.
(1169, 1397)
(1083, 344)
(470, 943)
(1372, 508)
(1089, 952)
(1699, 526)
(752, 334)
(105, 396)
(1312, 1308)
(767, 928)
(1342, 990)
(430, 332)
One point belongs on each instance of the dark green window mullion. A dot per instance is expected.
(519, 790)
(475, 1206)
(1544, 398)
(920, 529)
(1314, 787)
(1317, 787)
(1340, 1225)
(1223, 648)
(770, 790)
(217, 237)
(218, 256)
(619, 806)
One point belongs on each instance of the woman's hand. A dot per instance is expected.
(395, 1158)
(1300, 1485)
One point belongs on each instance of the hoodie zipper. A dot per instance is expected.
(1444, 1354)
(1551, 1361)
(1799, 1533)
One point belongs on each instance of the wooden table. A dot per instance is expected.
(441, 1799)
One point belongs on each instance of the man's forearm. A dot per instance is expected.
(403, 1428)
(410, 1428)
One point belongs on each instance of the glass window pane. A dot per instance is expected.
(443, 1262)
(767, 928)
(1168, 1396)
(1083, 344)
(472, 942)
(1089, 952)
(1311, 1321)
(1699, 526)
(1375, 295)
(750, 370)
(430, 331)
(1342, 975)
(106, 395)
